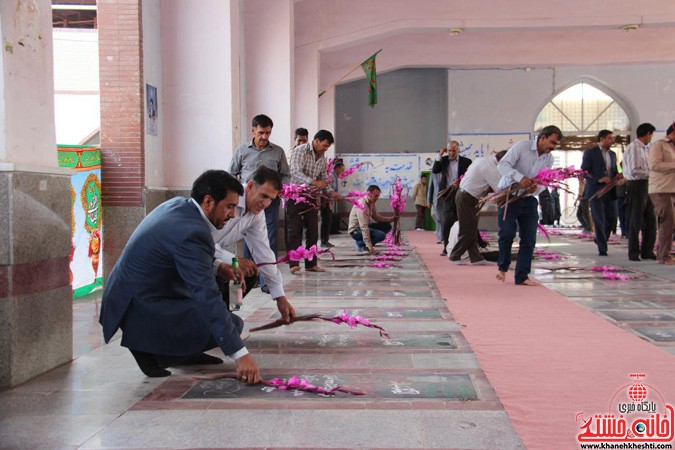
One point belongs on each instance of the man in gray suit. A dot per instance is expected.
(162, 292)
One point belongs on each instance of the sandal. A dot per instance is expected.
(295, 269)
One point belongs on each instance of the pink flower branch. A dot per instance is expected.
(352, 321)
(299, 254)
(295, 383)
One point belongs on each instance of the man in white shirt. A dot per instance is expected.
(249, 224)
(481, 175)
(641, 216)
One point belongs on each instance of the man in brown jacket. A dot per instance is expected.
(662, 192)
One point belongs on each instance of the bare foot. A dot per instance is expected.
(501, 276)
(529, 282)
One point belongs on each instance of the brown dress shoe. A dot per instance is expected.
(316, 269)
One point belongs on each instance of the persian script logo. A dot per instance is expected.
(637, 413)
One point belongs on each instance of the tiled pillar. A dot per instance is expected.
(122, 123)
(35, 294)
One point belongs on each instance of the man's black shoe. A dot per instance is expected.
(148, 365)
(649, 257)
(634, 258)
(603, 253)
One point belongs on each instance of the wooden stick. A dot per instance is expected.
(346, 75)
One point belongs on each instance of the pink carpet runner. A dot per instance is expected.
(547, 358)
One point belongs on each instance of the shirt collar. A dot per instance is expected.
(199, 208)
(241, 206)
(252, 145)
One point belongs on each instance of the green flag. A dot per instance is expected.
(368, 67)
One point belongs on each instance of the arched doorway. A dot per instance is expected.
(581, 111)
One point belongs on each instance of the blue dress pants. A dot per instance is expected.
(522, 216)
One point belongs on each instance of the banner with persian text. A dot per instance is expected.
(86, 257)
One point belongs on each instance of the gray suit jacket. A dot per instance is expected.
(162, 291)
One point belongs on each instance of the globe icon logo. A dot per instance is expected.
(637, 392)
(640, 427)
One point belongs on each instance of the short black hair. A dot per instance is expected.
(264, 174)
(374, 187)
(301, 132)
(670, 129)
(338, 165)
(603, 133)
(424, 175)
(262, 121)
(500, 155)
(549, 130)
(324, 135)
(217, 184)
(644, 129)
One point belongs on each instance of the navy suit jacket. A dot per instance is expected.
(593, 162)
(162, 292)
(442, 166)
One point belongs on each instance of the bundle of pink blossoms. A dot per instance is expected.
(548, 255)
(298, 384)
(553, 178)
(616, 276)
(353, 321)
(397, 198)
(299, 254)
(606, 269)
(302, 193)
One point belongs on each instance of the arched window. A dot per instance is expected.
(584, 110)
(580, 112)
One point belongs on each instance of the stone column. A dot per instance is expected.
(35, 202)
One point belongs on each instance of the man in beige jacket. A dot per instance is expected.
(366, 226)
(662, 192)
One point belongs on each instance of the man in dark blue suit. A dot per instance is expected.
(452, 167)
(162, 292)
(600, 163)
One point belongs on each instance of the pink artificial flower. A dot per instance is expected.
(303, 385)
(353, 321)
(353, 169)
(606, 268)
(397, 198)
(615, 276)
(299, 254)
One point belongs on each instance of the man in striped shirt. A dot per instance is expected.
(641, 217)
(308, 166)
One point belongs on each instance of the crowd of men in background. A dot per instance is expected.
(169, 290)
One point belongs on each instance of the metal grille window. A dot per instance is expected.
(584, 110)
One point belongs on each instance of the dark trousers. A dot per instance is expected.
(583, 215)
(272, 222)
(173, 360)
(641, 219)
(664, 206)
(604, 214)
(419, 218)
(378, 231)
(326, 216)
(623, 216)
(449, 218)
(521, 215)
(467, 215)
(302, 217)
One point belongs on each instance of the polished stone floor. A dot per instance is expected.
(423, 385)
